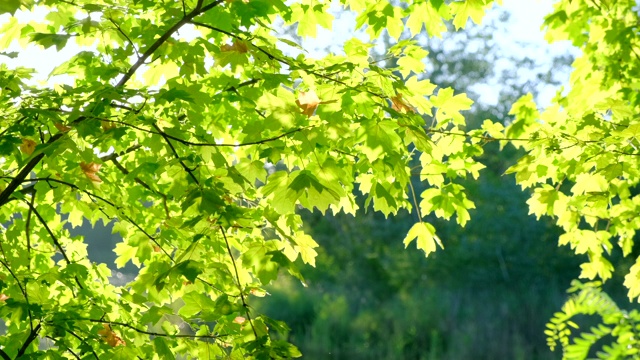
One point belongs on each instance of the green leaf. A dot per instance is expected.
(11, 29)
(425, 236)
(49, 40)
(195, 303)
(426, 13)
(190, 269)
(464, 10)
(306, 245)
(9, 6)
(162, 348)
(449, 106)
(11, 54)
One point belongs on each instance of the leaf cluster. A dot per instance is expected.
(187, 127)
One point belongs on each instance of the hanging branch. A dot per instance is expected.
(51, 234)
(22, 289)
(143, 184)
(235, 268)
(125, 36)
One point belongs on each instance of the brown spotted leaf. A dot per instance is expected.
(62, 128)
(91, 170)
(308, 102)
(110, 337)
(28, 146)
(398, 104)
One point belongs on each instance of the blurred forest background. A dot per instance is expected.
(487, 295)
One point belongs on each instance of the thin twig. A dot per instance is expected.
(129, 326)
(415, 200)
(190, 143)
(486, 138)
(175, 153)
(117, 155)
(83, 341)
(29, 189)
(12, 125)
(152, 238)
(125, 36)
(144, 185)
(67, 349)
(28, 233)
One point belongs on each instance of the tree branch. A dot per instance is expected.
(199, 9)
(32, 336)
(486, 138)
(4, 355)
(283, 61)
(26, 170)
(30, 189)
(190, 143)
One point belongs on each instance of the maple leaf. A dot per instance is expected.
(308, 102)
(28, 146)
(91, 169)
(110, 337)
(398, 104)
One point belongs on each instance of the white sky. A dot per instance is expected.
(524, 27)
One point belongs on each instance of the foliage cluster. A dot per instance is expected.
(199, 149)
(190, 129)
